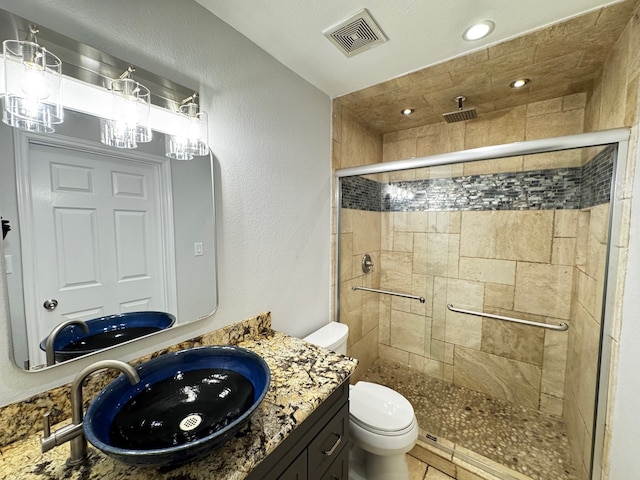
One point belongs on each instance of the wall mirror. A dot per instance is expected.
(122, 240)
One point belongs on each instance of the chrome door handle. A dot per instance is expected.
(329, 452)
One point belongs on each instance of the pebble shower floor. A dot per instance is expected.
(527, 441)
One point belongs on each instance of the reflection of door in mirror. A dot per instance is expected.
(95, 217)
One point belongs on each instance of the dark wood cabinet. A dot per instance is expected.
(297, 470)
(339, 469)
(318, 449)
(327, 444)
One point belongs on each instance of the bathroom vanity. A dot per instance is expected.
(300, 431)
(317, 450)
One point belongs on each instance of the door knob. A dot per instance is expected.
(50, 304)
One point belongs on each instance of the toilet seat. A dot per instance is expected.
(384, 433)
(379, 409)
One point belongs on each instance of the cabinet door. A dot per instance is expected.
(327, 445)
(339, 469)
(297, 470)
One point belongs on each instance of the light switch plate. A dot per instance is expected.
(8, 264)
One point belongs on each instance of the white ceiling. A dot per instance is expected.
(420, 32)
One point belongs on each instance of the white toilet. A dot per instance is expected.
(382, 424)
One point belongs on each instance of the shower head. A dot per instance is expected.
(460, 114)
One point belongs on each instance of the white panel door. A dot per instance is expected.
(96, 231)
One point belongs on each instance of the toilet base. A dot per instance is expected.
(366, 466)
(356, 464)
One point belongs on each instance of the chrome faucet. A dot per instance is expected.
(51, 338)
(74, 432)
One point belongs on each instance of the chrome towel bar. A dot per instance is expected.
(562, 327)
(386, 292)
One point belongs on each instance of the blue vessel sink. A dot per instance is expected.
(186, 404)
(106, 332)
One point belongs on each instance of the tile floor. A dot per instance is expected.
(421, 471)
(527, 441)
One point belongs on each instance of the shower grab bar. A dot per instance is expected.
(562, 327)
(387, 292)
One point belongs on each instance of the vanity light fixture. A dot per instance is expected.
(521, 82)
(407, 111)
(32, 98)
(192, 138)
(478, 30)
(130, 109)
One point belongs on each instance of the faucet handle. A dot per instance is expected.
(46, 424)
(48, 441)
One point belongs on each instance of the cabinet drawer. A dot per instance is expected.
(328, 444)
(339, 469)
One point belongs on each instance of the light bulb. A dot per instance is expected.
(32, 82)
(478, 31)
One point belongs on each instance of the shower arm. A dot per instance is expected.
(562, 327)
(387, 292)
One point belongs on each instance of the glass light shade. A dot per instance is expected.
(177, 147)
(33, 87)
(116, 134)
(129, 122)
(193, 136)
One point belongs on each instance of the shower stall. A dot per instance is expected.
(485, 298)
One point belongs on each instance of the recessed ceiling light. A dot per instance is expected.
(521, 82)
(407, 111)
(479, 30)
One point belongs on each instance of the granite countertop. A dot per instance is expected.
(302, 377)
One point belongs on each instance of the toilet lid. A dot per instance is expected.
(380, 408)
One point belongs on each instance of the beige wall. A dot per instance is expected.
(511, 263)
(584, 335)
(551, 118)
(496, 275)
(523, 365)
(613, 103)
(353, 145)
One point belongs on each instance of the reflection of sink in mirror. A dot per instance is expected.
(104, 332)
(186, 404)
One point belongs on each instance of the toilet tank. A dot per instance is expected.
(332, 336)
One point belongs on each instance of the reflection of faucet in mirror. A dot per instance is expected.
(49, 343)
(74, 432)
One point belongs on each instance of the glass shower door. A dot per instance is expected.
(483, 242)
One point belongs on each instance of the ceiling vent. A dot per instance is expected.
(356, 34)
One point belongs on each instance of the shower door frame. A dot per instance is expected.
(618, 136)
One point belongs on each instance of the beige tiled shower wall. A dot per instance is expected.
(613, 102)
(584, 336)
(513, 263)
(353, 145)
(550, 118)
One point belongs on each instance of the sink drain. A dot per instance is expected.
(189, 423)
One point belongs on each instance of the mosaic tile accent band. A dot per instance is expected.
(552, 189)
(597, 177)
(360, 193)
